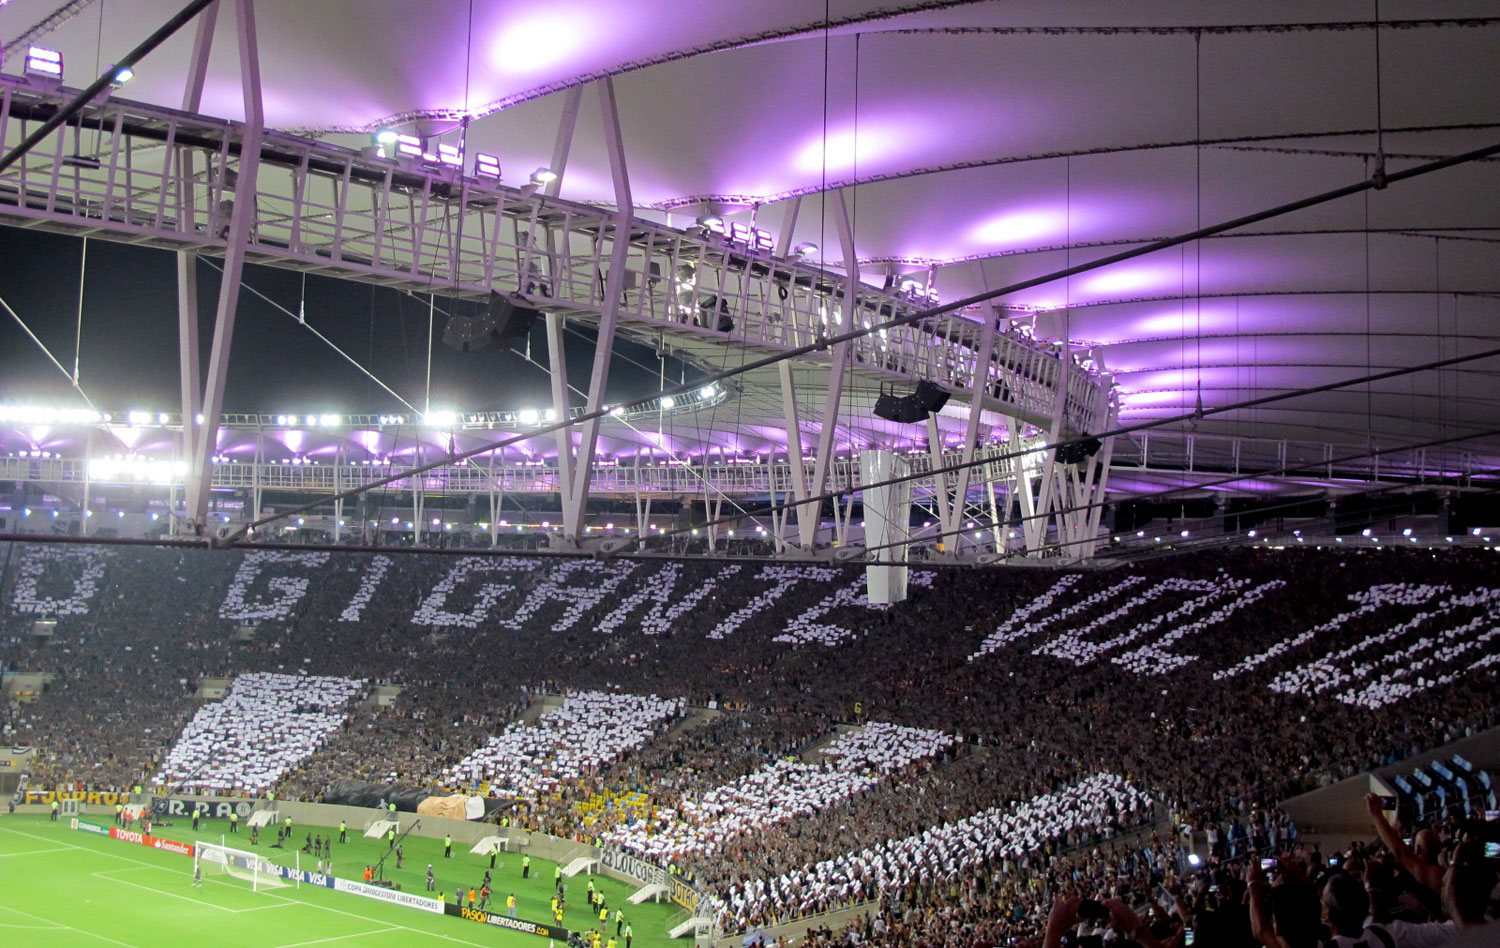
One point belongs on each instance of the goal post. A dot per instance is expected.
(211, 859)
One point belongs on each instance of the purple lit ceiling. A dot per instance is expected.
(994, 141)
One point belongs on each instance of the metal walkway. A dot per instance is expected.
(163, 178)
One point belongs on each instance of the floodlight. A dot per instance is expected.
(386, 136)
(543, 176)
(668, 403)
(805, 249)
(486, 166)
(529, 416)
(408, 146)
(122, 75)
(44, 63)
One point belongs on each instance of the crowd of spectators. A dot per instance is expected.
(589, 729)
(1203, 730)
(266, 725)
(787, 789)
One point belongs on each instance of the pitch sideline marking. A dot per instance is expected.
(320, 941)
(325, 908)
(32, 852)
(81, 931)
(108, 875)
(151, 865)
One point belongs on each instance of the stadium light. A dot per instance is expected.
(486, 166)
(43, 63)
(543, 176)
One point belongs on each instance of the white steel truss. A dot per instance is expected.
(197, 185)
(172, 179)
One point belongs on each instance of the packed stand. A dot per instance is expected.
(779, 792)
(591, 729)
(265, 726)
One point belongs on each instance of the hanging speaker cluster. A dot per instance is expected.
(927, 399)
(506, 320)
(1076, 452)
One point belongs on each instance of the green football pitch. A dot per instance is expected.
(61, 888)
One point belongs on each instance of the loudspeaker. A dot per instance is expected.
(470, 333)
(1078, 452)
(504, 321)
(512, 319)
(930, 397)
(904, 410)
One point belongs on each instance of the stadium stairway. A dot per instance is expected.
(790, 932)
(813, 753)
(581, 864)
(483, 847)
(539, 707)
(689, 926)
(655, 892)
(1334, 816)
(378, 828)
(696, 718)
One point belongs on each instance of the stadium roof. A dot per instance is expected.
(979, 144)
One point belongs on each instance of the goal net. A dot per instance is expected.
(211, 859)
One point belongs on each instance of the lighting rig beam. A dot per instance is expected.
(62, 115)
(594, 413)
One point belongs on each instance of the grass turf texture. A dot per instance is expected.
(65, 889)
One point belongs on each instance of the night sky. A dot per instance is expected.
(129, 340)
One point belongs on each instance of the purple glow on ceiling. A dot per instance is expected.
(852, 148)
(1153, 399)
(1127, 280)
(1176, 322)
(532, 44)
(1019, 228)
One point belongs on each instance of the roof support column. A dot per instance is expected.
(796, 465)
(788, 225)
(565, 125)
(557, 363)
(575, 497)
(241, 219)
(979, 384)
(807, 522)
(189, 371)
(948, 513)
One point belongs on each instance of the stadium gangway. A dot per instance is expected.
(163, 178)
(752, 476)
(703, 476)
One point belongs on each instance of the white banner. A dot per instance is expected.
(423, 902)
